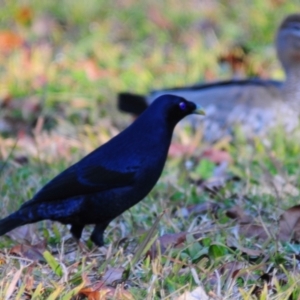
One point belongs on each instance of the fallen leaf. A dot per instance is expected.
(198, 209)
(33, 252)
(113, 275)
(253, 231)
(289, 224)
(29, 282)
(100, 291)
(166, 241)
(2, 260)
(237, 213)
(234, 243)
(246, 224)
(232, 268)
(27, 233)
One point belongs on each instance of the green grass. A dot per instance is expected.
(96, 49)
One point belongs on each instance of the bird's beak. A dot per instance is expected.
(199, 110)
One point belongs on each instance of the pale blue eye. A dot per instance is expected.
(182, 105)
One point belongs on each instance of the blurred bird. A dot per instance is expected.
(112, 178)
(254, 104)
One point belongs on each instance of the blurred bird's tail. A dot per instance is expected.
(9, 223)
(132, 103)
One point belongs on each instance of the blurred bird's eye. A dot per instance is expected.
(182, 105)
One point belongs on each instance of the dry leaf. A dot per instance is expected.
(102, 292)
(33, 252)
(166, 241)
(289, 224)
(202, 208)
(251, 252)
(247, 226)
(253, 231)
(113, 275)
(237, 213)
(26, 233)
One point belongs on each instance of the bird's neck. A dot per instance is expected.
(291, 87)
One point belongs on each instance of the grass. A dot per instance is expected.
(74, 70)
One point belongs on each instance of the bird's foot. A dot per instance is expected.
(97, 235)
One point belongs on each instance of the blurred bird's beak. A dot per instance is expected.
(199, 110)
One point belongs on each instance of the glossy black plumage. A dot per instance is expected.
(112, 178)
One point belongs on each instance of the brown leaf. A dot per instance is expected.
(237, 213)
(2, 260)
(100, 291)
(232, 268)
(253, 230)
(29, 282)
(166, 241)
(201, 208)
(289, 224)
(247, 226)
(251, 252)
(26, 233)
(113, 275)
(33, 252)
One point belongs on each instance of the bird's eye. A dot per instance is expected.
(182, 105)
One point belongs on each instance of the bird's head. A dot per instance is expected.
(288, 42)
(175, 108)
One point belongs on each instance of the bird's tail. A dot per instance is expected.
(10, 222)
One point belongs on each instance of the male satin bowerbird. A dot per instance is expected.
(112, 178)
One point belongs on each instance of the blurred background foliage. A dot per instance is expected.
(69, 59)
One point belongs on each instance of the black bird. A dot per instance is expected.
(254, 104)
(112, 178)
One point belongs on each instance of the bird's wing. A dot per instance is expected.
(218, 93)
(81, 179)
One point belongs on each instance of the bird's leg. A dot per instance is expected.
(97, 234)
(76, 231)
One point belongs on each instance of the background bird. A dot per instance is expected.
(112, 178)
(254, 104)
